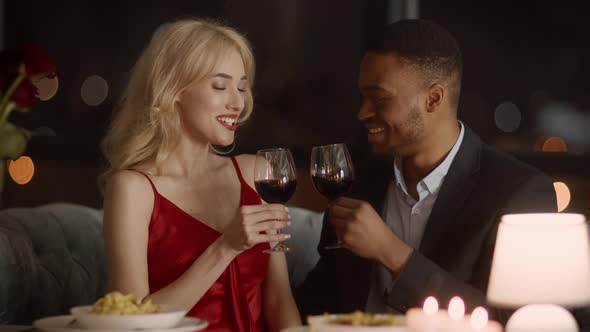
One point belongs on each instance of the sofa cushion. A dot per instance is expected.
(305, 230)
(51, 258)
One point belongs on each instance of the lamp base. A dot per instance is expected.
(542, 317)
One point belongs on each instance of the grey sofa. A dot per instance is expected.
(52, 258)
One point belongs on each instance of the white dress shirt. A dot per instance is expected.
(407, 218)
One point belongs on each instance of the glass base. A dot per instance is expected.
(280, 247)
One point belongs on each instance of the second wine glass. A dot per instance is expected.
(332, 173)
(275, 181)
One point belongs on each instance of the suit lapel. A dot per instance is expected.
(456, 188)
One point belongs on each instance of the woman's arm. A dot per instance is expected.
(128, 204)
(279, 308)
(128, 207)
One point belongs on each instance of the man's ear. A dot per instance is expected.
(436, 94)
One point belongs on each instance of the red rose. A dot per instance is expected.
(37, 63)
(25, 94)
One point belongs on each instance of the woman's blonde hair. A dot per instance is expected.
(147, 123)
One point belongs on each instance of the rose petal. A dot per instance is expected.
(25, 95)
(37, 61)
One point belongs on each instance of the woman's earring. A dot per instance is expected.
(225, 150)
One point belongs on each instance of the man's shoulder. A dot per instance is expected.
(496, 162)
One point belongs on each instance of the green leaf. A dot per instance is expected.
(13, 141)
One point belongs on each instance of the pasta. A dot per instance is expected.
(359, 318)
(115, 303)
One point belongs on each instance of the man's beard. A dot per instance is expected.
(412, 129)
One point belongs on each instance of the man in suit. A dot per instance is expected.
(426, 209)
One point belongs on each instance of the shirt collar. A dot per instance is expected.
(434, 179)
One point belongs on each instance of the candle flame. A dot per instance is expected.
(456, 308)
(479, 318)
(430, 305)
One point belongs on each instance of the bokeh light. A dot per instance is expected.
(507, 117)
(95, 90)
(562, 119)
(554, 144)
(46, 87)
(563, 195)
(21, 170)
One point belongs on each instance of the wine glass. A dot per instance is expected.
(332, 173)
(275, 181)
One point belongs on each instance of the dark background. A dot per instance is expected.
(534, 55)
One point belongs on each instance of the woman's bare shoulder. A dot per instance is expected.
(130, 190)
(246, 163)
(128, 179)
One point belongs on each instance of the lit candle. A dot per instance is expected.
(480, 322)
(479, 318)
(456, 308)
(431, 319)
(427, 319)
(430, 306)
(476, 322)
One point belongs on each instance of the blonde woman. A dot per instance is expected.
(183, 225)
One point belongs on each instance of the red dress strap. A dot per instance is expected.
(237, 167)
(147, 177)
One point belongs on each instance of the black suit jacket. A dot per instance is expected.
(456, 251)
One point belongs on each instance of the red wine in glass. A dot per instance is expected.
(332, 173)
(276, 191)
(332, 188)
(275, 181)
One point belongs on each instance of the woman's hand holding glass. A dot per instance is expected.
(256, 224)
(275, 180)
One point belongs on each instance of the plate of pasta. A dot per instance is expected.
(68, 323)
(357, 321)
(116, 311)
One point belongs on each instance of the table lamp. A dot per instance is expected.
(541, 262)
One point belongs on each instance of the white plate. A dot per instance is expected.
(62, 324)
(321, 325)
(164, 319)
(297, 329)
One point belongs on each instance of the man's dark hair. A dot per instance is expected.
(426, 45)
